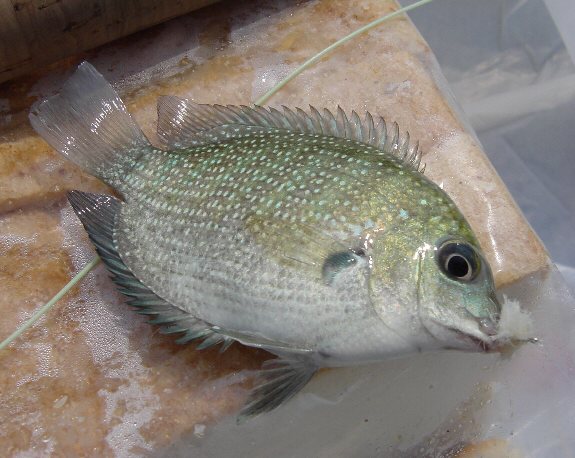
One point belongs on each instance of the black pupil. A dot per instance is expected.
(457, 266)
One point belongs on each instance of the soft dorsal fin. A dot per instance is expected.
(182, 123)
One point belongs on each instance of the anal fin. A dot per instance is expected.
(98, 215)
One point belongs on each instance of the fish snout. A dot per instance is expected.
(488, 326)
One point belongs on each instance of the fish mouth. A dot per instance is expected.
(484, 344)
(466, 338)
(479, 343)
(484, 338)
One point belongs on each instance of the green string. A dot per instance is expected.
(94, 262)
(42, 310)
(264, 98)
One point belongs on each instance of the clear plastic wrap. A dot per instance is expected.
(511, 71)
(93, 367)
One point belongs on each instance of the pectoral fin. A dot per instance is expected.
(282, 379)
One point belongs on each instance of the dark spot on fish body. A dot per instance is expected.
(338, 262)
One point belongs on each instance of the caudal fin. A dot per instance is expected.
(89, 124)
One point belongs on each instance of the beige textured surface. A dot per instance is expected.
(33, 33)
(92, 378)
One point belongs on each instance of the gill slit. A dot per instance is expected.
(379, 315)
(371, 294)
(418, 296)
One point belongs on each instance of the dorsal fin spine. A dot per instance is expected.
(330, 123)
(342, 123)
(182, 124)
(278, 118)
(355, 123)
(316, 119)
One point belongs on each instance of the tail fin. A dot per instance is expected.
(89, 124)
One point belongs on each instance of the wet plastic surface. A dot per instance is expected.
(510, 65)
(430, 405)
(513, 75)
(93, 366)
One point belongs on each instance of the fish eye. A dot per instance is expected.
(458, 261)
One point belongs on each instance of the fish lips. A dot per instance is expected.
(472, 340)
(473, 335)
(483, 344)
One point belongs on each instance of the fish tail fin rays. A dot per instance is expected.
(98, 213)
(88, 123)
(282, 379)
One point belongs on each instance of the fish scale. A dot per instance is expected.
(311, 235)
(208, 262)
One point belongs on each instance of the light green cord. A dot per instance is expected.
(42, 310)
(94, 262)
(264, 98)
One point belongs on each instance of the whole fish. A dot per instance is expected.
(313, 236)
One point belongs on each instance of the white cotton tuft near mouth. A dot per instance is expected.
(515, 324)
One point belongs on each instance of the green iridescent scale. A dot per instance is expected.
(266, 181)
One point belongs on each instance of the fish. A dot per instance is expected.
(312, 235)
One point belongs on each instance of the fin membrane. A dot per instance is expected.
(283, 378)
(182, 123)
(97, 213)
(89, 124)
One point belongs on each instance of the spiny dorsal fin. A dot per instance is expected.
(182, 123)
(98, 213)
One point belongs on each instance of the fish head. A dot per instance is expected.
(456, 297)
